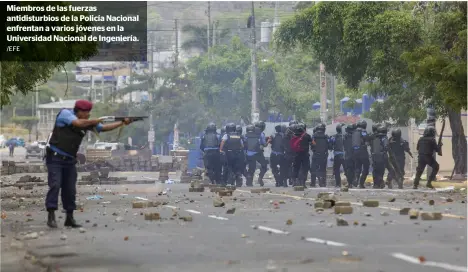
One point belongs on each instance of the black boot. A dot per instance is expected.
(429, 185)
(260, 181)
(70, 221)
(51, 219)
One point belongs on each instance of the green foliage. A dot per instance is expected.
(22, 74)
(26, 121)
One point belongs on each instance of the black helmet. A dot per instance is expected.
(375, 128)
(239, 129)
(250, 128)
(362, 124)
(231, 127)
(211, 127)
(396, 133)
(297, 128)
(261, 125)
(292, 122)
(321, 127)
(429, 132)
(223, 130)
(315, 129)
(339, 128)
(349, 128)
(302, 126)
(382, 130)
(278, 128)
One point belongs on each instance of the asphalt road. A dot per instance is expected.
(255, 238)
(19, 155)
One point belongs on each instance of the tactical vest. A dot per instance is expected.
(426, 145)
(211, 140)
(277, 143)
(397, 147)
(339, 143)
(376, 145)
(348, 145)
(253, 141)
(356, 141)
(321, 143)
(67, 138)
(234, 142)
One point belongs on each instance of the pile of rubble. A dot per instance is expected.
(101, 177)
(11, 167)
(25, 182)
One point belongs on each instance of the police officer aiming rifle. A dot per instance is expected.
(63, 144)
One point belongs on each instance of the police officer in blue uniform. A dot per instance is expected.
(210, 146)
(337, 146)
(233, 146)
(69, 130)
(277, 160)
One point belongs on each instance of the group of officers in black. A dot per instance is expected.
(231, 154)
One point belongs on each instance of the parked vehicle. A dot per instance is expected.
(34, 150)
(2, 141)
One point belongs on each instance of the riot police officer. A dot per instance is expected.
(426, 147)
(349, 161)
(320, 145)
(233, 146)
(289, 154)
(396, 152)
(361, 155)
(379, 146)
(211, 156)
(277, 161)
(338, 148)
(223, 159)
(255, 141)
(300, 143)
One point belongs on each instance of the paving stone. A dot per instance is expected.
(231, 211)
(431, 202)
(187, 218)
(343, 209)
(405, 211)
(225, 193)
(431, 216)
(218, 202)
(197, 190)
(370, 203)
(342, 203)
(139, 204)
(259, 190)
(298, 188)
(413, 214)
(55, 251)
(152, 216)
(328, 204)
(344, 189)
(323, 195)
(318, 204)
(341, 222)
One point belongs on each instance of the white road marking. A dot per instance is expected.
(218, 217)
(171, 207)
(277, 231)
(192, 211)
(141, 198)
(325, 242)
(415, 260)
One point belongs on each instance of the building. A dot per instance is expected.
(47, 114)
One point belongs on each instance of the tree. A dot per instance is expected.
(21, 74)
(390, 46)
(198, 37)
(28, 122)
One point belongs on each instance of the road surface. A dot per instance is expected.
(256, 237)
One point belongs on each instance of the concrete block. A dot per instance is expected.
(431, 216)
(413, 214)
(152, 216)
(196, 190)
(259, 191)
(341, 222)
(323, 195)
(342, 203)
(139, 204)
(370, 203)
(343, 209)
(327, 204)
(225, 193)
(405, 211)
(318, 204)
(298, 188)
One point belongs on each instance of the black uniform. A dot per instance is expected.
(223, 159)
(426, 147)
(338, 148)
(320, 145)
(361, 155)
(211, 156)
(234, 149)
(379, 146)
(348, 157)
(254, 143)
(277, 161)
(396, 152)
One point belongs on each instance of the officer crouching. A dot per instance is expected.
(69, 130)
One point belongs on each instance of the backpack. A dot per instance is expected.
(295, 143)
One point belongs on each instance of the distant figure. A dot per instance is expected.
(12, 148)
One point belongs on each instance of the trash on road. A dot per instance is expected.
(141, 198)
(94, 197)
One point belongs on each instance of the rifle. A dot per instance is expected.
(439, 144)
(108, 119)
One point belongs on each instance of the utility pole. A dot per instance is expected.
(113, 84)
(333, 86)
(150, 96)
(214, 33)
(255, 113)
(130, 80)
(37, 114)
(102, 87)
(176, 60)
(208, 27)
(323, 93)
